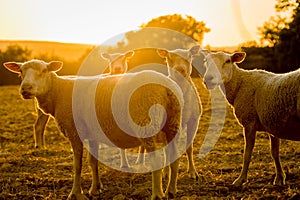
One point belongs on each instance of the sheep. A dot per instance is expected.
(117, 65)
(55, 96)
(262, 101)
(179, 63)
(118, 61)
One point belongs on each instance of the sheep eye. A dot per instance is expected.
(228, 61)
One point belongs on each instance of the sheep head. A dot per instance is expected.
(35, 76)
(219, 67)
(179, 61)
(118, 61)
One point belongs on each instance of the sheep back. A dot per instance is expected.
(141, 102)
(277, 105)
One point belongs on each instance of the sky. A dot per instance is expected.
(232, 22)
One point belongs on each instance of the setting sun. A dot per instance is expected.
(231, 21)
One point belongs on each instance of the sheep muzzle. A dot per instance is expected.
(26, 91)
(208, 81)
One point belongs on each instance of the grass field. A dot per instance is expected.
(27, 173)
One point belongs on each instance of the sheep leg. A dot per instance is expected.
(249, 137)
(280, 175)
(172, 184)
(123, 157)
(191, 130)
(76, 191)
(191, 166)
(155, 161)
(39, 129)
(157, 192)
(93, 161)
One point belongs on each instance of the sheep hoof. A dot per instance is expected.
(193, 175)
(77, 197)
(94, 195)
(238, 182)
(279, 181)
(157, 197)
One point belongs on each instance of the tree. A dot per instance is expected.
(188, 26)
(282, 34)
(271, 29)
(169, 31)
(287, 48)
(12, 53)
(16, 53)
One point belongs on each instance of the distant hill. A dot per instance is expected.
(69, 51)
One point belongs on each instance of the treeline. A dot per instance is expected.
(280, 40)
(18, 53)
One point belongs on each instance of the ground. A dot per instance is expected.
(29, 173)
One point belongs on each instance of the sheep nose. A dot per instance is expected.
(208, 78)
(26, 87)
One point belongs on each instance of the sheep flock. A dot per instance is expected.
(158, 113)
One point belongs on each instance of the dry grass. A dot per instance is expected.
(27, 173)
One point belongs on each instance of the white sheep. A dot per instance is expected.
(55, 96)
(117, 65)
(179, 62)
(118, 61)
(262, 101)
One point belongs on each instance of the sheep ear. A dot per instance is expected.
(195, 49)
(129, 54)
(204, 52)
(54, 66)
(106, 56)
(238, 57)
(13, 66)
(162, 53)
